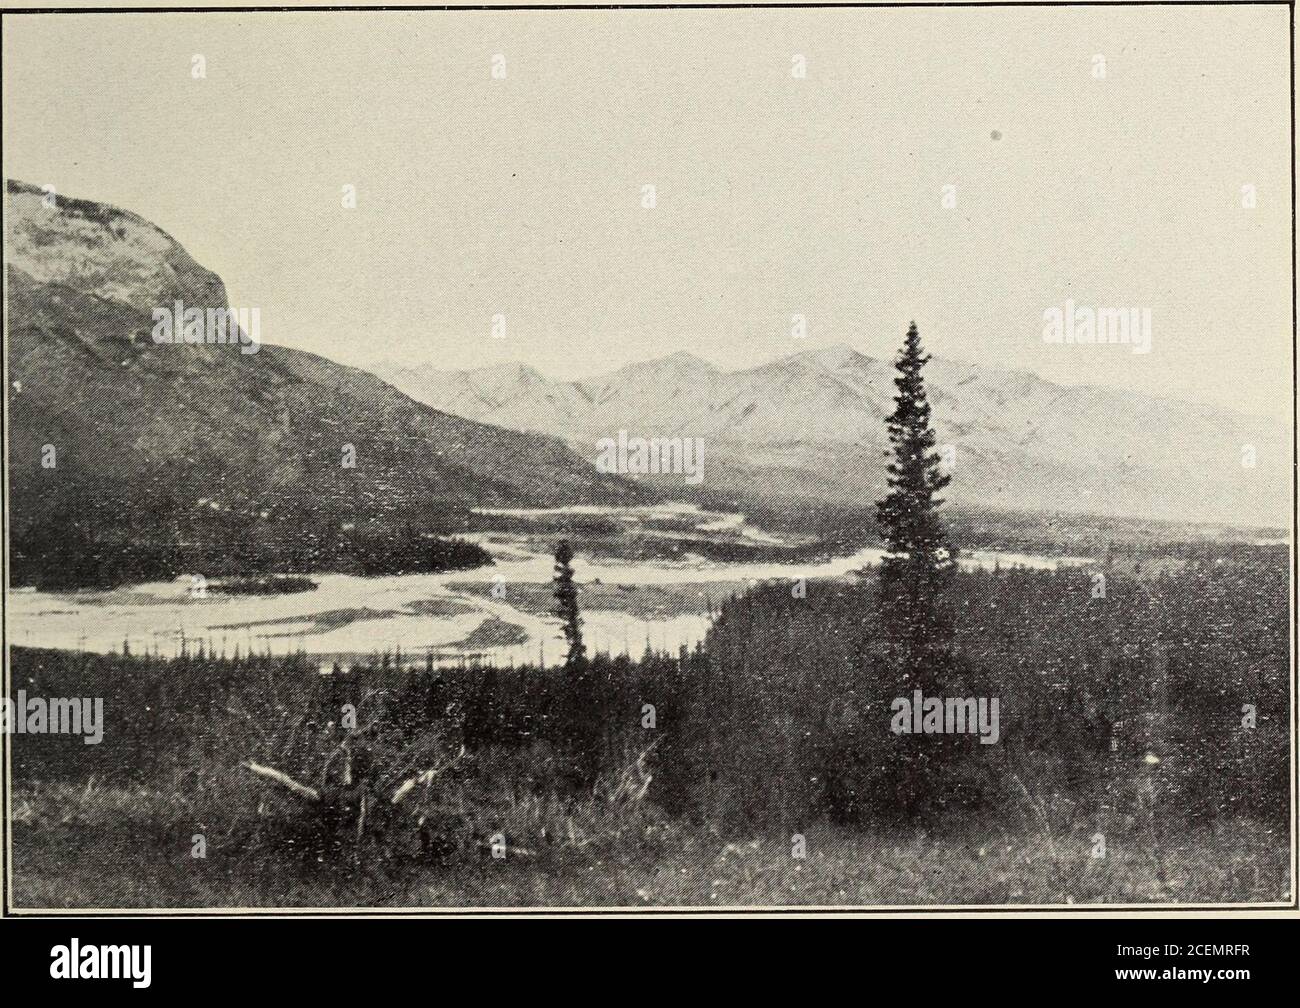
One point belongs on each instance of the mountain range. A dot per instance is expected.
(811, 426)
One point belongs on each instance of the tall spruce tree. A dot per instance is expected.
(580, 707)
(566, 604)
(913, 576)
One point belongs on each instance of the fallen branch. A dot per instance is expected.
(284, 780)
(425, 778)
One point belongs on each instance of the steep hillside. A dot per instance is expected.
(168, 445)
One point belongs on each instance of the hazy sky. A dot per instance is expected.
(776, 196)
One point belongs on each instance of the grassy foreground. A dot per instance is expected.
(88, 846)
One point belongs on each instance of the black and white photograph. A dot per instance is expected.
(590, 460)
